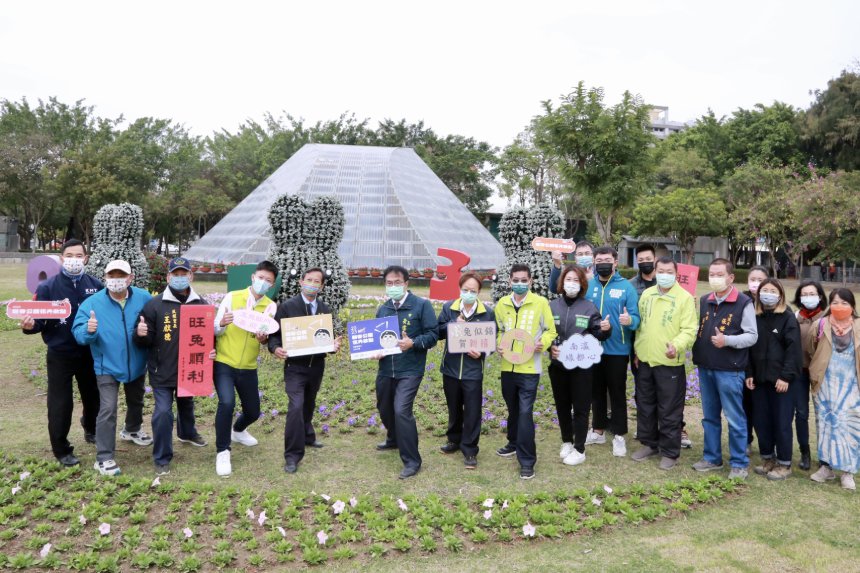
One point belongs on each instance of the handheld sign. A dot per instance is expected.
(580, 351)
(196, 341)
(688, 276)
(42, 309)
(466, 336)
(552, 244)
(254, 321)
(303, 335)
(518, 344)
(368, 338)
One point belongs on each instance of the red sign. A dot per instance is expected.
(42, 309)
(552, 244)
(196, 341)
(449, 288)
(688, 276)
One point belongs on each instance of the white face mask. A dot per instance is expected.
(116, 285)
(571, 289)
(73, 266)
(810, 302)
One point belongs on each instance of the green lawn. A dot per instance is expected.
(796, 525)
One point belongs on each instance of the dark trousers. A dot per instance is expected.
(519, 391)
(62, 368)
(464, 412)
(162, 423)
(571, 390)
(394, 399)
(774, 413)
(749, 410)
(228, 382)
(106, 421)
(660, 392)
(302, 383)
(610, 376)
(801, 411)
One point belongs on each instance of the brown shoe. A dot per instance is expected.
(780, 472)
(765, 467)
(667, 463)
(823, 474)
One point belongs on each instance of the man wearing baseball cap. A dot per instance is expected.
(157, 329)
(105, 322)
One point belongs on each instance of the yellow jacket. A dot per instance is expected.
(535, 317)
(669, 317)
(233, 346)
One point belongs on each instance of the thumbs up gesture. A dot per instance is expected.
(624, 318)
(604, 324)
(92, 323)
(405, 342)
(718, 339)
(142, 329)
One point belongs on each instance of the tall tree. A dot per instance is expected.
(831, 126)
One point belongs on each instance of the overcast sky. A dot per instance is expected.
(479, 69)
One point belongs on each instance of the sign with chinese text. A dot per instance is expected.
(41, 309)
(369, 338)
(551, 244)
(303, 335)
(466, 336)
(580, 351)
(688, 276)
(196, 341)
(518, 346)
(254, 321)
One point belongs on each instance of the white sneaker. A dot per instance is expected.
(107, 468)
(619, 447)
(847, 481)
(594, 438)
(574, 459)
(566, 449)
(243, 438)
(140, 438)
(222, 463)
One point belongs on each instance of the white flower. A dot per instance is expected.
(24, 475)
(187, 532)
(596, 501)
(353, 502)
(338, 507)
(529, 530)
(156, 482)
(104, 528)
(262, 519)
(607, 489)
(505, 504)
(488, 502)
(282, 531)
(16, 489)
(488, 514)
(322, 537)
(325, 497)
(82, 520)
(249, 513)
(402, 505)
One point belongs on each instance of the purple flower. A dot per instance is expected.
(275, 412)
(372, 421)
(503, 424)
(354, 382)
(34, 372)
(350, 421)
(260, 392)
(212, 395)
(323, 409)
(325, 428)
(541, 388)
(262, 415)
(147, 390)
(490, 393)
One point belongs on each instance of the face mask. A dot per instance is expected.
(753, 286)
(585, 261)
(520, 288)
(261, 286)
(603, 269)
(665, 280)
(718, 284)
(178, 283)
(768, 298)
(571, 289)
(646, 268)
(468, 297)
(73, 266)
(395, 292)
(116, 285)
(840, 312)
(810, 302)
(310, 290)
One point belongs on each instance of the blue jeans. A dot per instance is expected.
(229, 381)
(162, 423)
(722, 392)
(395, 398)
(519, 391)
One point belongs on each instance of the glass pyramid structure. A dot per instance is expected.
(397, 211)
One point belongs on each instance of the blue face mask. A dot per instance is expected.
(520, 288)
(261, 286)
(665, 280)
(178, 283)
(395, 292)
(468, 297)
(585, 261)
(768, 298)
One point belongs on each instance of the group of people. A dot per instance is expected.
(758, 361)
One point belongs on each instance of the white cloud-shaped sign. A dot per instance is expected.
(580, 351)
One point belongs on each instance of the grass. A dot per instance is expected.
(796, 525)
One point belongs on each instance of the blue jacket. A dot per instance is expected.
(57, 334)
(114, 354)
(611, 300)
(417, 316)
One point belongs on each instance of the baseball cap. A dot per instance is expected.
(118, 265)
(179, 263)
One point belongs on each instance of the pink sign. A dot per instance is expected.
(688, 276)
(254, 321)
(42, 309)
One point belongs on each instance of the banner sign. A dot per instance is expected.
(196, 341)
(41, 309)
(550, 244)
(303, 335)
(688, 276)
(580, 351)
(466, 336)
(368, 338)
(254, 321)
(518, 344)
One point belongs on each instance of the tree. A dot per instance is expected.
(529, 172)
(830, 128)
(605, 152)
(767, 135)
(683, 214)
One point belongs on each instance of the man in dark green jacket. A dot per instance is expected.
(400, 375)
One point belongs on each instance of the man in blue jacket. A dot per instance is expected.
(105, 322)
(66, 359)
(618, 303)
(400, 375)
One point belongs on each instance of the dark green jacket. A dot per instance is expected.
(417, 317)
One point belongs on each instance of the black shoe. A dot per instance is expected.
(89, 438)
(507, 451)
(471, 462)
(527, 472)
(409, 472)
(69, 460)
(449, 448)
(291, 467)
(805, 461)
(162, 470)
(386, 446)
(315, 444)
(196, 440)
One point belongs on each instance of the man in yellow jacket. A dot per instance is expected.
(236, 364)
(523, 310)
(668, 329)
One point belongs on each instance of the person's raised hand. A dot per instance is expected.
(605, 324)
(142, 328)
(92, 323)
(624, 318)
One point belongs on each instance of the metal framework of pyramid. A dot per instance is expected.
(397, 211)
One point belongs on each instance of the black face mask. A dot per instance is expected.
(646, 268)
(603, 269)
